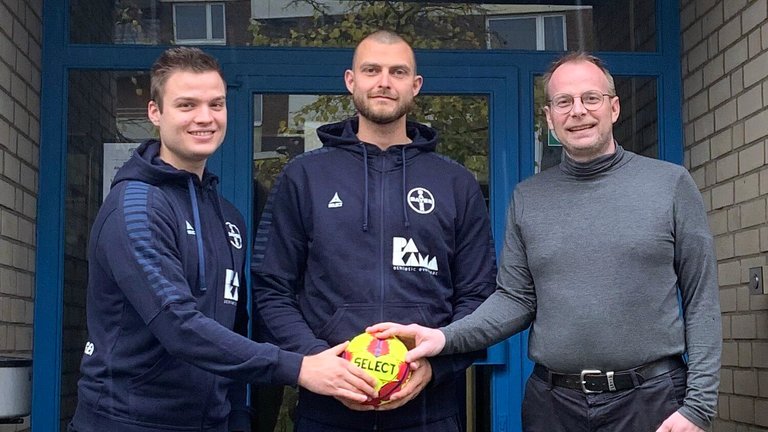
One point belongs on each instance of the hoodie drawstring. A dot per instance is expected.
(198, 235)
(405, 193)
(365, 191)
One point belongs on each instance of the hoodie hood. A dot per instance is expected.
(146, 166)
(343, 135)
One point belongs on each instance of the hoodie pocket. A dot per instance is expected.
(351, 319)
(151, 373)
(170, 390)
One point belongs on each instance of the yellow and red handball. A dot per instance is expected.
(383, 359)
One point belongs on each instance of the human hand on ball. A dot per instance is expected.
(382, 359)
(355, 405)
(328, 374)
(421, 375)
(422, 341)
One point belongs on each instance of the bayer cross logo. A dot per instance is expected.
(421, 200)
(233, 232)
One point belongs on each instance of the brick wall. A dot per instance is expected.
(20, 65)
(725, 65)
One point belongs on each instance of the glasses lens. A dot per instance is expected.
(592, 100)
(562, 103)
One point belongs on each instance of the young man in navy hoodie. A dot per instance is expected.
(375, 226)
(166, 261)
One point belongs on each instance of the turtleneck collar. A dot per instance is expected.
(597, 166)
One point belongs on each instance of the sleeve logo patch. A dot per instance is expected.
(233, 232)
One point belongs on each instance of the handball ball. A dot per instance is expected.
(383, 359)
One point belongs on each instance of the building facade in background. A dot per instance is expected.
(692, 78)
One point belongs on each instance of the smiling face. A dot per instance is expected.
(192, 120)
(585, 134)
(383, 81)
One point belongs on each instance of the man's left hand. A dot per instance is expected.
(677, 423)
(355, 405)
(420, 377)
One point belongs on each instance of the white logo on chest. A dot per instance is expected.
(231, 286)
(406, 257)
(335, 202)
(421, 200)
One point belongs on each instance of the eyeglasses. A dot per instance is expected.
(592, 101)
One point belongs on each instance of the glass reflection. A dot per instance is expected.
(107, 112)
(286, 125)
(621, 25)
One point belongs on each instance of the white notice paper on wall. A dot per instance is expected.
(115, 155)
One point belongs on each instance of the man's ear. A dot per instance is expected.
(548, 114)
(615, 109)
(349, 80)
(154, 113)
(418, 81)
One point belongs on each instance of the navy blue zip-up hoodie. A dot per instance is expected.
(166, 260)
(353, 235)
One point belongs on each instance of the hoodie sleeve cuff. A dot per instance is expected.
(289, 365)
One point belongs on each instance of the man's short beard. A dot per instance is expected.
(380, 118)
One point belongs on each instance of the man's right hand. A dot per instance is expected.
(328, 374)
(423, 341)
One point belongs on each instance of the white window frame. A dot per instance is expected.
(539, 28)
(209, 40)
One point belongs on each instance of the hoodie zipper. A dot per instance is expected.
(192, 187)
(381, 235)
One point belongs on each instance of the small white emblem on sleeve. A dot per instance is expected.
(233, 232)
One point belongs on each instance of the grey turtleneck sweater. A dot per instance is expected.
(594, 256)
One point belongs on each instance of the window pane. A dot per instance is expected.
(512, 33)
(217, 21)
(553, 33)
(191, 22)
(593, 25)
(636, 129)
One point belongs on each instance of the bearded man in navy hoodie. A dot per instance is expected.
(166, 261)
(375, 226)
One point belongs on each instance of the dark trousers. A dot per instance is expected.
(446, 425)
(548, 408)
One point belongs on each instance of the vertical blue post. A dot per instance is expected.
(49, 287)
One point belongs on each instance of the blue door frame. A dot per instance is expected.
(505, 77)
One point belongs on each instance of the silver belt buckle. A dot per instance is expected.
(583, 379)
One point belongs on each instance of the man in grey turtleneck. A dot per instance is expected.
(595, 254)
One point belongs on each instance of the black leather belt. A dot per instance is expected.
(597, 381)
